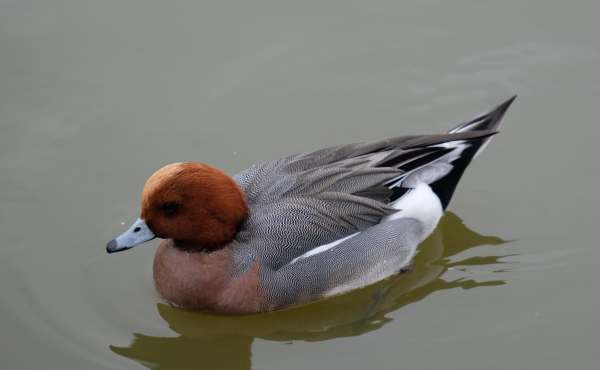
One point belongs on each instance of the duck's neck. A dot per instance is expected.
(221, 236)
(205, 280)
(195, 247)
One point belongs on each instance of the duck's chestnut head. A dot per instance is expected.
(196, 205)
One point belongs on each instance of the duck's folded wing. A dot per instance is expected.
(313, 213)
(304, 202)
(357, 261)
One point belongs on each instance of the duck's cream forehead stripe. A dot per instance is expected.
(159, 177)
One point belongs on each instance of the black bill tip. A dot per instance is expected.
(112, 247)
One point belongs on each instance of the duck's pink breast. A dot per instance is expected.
(197, 280)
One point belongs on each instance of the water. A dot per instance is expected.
(94, 96)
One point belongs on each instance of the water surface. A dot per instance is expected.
(94, 96)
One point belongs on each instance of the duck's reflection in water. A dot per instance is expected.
(224, 342)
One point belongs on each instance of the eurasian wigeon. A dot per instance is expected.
(300, 228)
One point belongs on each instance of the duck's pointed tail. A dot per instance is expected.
(486, 121)
(440, 160)
(445, 186)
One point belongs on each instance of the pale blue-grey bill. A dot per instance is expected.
(138, 233)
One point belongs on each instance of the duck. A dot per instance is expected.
(304, 227)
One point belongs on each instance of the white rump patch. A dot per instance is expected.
(420, 203)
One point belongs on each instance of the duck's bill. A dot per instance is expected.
(137, 234)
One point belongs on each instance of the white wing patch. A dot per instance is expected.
(322, 248)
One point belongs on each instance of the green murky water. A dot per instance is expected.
(96, 95)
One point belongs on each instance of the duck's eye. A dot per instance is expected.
(169, 208)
